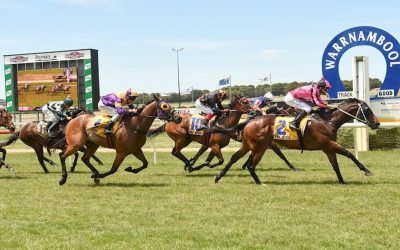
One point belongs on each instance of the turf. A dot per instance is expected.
(165, 207)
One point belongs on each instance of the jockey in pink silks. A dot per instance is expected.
(297, 98)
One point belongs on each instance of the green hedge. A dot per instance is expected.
(384, 138)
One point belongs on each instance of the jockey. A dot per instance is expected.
(297, 98)
(112, 104)
(211, 105)
(56, 111)
(264, 101)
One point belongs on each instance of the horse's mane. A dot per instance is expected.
(234, 100)
(140, 110)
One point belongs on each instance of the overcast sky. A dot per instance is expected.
(244, 39)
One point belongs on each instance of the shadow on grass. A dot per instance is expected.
(125, 185)
(283, 169)
(12, 177)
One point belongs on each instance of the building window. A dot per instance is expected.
(55, 64)
(38, 65)
(63, 64)
(72, 63)
(21, 66)
(29, 66)
(46, 65)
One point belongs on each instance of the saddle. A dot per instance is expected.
(98, 123)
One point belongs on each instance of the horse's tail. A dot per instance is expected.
(220, 130)
(13, 138)
(156, 131)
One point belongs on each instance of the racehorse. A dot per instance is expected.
(5, 121)
(40, 89)
(29, 135)
(52, 91)
(216, 141)
(321, 134)
(128, 139)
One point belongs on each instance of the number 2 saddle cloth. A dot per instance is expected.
(282, 131)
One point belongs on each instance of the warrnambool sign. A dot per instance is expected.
(385, 109)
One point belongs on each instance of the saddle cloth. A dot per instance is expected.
(41, 127)
(98, 123)
(282, 131)
(195, 123)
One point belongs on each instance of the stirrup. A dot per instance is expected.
(293, 126)
(107, 132)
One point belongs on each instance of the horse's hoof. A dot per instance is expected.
(217, 178)
(62, 181)
(100, 163)
(129, 169)
(264, 185)
(72, 170)
(96, 181)
(10, 169)
(46, 171)
(368, 173)
(95, 175)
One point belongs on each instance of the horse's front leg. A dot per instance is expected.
(201, 151)
(206, 163)
(216, 149)
(142, 158)
(119, 158)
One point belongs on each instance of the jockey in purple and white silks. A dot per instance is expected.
(113, 104)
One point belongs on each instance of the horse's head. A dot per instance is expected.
(360, 111)
(165, 111)
(240, 103)
(6, 120)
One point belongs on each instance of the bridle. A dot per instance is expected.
(360, 113)
(161, 113)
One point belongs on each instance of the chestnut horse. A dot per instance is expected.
(5, 121)
(128, 139)
(37, 141)
(320, 134)
(216, 141)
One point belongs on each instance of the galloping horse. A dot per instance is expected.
(40, 89)
(128, 139)
(6, 121)
(216, 141)
(52, 91)
(320, 134)
(29, 135)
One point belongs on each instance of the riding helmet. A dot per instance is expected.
(68, 101)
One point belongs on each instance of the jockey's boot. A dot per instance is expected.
(295, 124)
(206, 121)
(50, 126)
(108, 128)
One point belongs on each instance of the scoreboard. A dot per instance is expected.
(32, 80)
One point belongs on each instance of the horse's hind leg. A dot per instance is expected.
(89, 152)
(83, 150)
(283, 157)
(4, 152)
(251, 166)
(76, 156)
(142, 158)
(245, 165)
(235, 157)
(216, 149)
(39, 153)
(176, 151)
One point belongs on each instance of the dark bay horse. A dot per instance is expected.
(216, 141)
(37, 141)
(321, 134)
(7, 122)
(128, 139)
